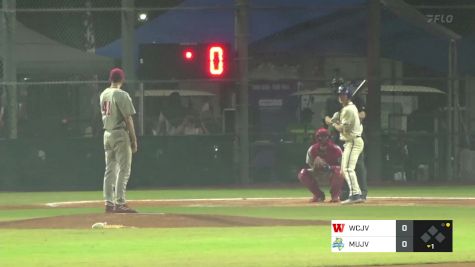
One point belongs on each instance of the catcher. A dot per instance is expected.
(323, 158)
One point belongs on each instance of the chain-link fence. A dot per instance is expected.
(62, 51)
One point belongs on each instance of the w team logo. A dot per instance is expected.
(338, 227)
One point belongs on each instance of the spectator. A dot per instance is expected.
(172, 118)
(193, 126)
(207, 119)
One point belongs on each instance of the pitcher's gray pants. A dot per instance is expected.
(118, 155)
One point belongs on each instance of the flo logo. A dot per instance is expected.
(338, 227)
(338, 243)
(440, 18)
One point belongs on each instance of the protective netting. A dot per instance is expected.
(65, 48)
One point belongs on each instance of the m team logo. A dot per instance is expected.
(338, 243)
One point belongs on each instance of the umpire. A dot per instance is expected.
(332, 105)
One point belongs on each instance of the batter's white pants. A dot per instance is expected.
(118, 155)
(351, 152)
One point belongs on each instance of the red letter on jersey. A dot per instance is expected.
(106, 108)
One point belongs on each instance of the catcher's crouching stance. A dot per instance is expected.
(323, 158)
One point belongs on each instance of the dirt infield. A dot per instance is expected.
(151, 221)
(161, 220)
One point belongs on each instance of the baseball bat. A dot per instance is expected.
(336, 116)
(358, 88)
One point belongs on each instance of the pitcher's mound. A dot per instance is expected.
(150, 220)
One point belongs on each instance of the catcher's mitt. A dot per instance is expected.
(320, 165)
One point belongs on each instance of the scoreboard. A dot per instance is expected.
(178, 61)
(391, 235)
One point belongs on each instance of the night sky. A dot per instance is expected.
(68, 28)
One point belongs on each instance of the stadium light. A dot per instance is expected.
(143, 17)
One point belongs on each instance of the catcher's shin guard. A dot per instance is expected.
(308, 181)
(336, 183)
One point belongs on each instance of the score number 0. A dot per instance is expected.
(216, 61)
(404, 229)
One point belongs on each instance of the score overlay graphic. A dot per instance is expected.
(391, 235)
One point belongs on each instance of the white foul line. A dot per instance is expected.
(57, 204)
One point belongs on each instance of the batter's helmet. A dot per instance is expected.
(345, 90)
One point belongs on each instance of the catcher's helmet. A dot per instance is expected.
(321, 132)
(345, 90)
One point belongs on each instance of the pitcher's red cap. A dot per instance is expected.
(116, 75)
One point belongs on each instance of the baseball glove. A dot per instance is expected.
(319, 163)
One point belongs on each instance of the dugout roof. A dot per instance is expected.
(38, 54)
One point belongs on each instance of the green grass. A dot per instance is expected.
(237, 246)
(21, 214)
(172, 247)
(249, 246)
(328, 213)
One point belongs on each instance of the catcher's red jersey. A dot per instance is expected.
(330, 152)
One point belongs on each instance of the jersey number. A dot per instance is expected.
(106, 108)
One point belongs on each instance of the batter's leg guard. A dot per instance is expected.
(336, 183)
(307, 179)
